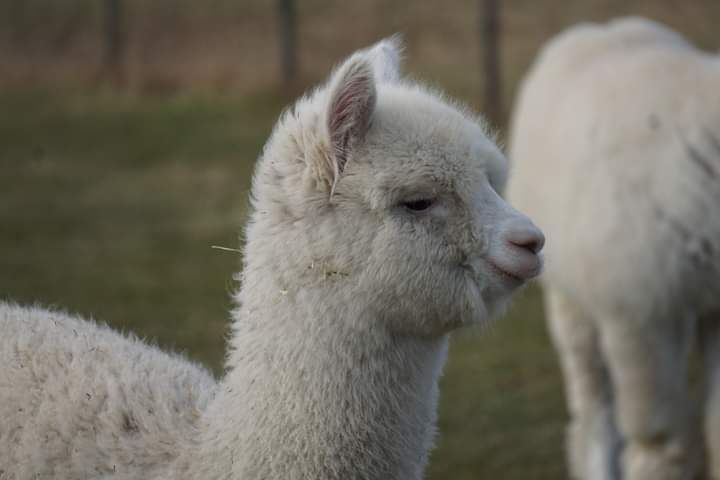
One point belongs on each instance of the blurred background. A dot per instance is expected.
(128, 134)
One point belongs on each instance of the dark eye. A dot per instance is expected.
(419, 205)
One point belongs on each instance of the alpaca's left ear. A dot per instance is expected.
(351, 104)
(385, 56)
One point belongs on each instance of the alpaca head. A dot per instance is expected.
(384, 196)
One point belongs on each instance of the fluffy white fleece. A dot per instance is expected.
(615, 152)
(376, 229)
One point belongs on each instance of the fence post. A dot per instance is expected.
(114, 41)
(490, 48)
(287, 24)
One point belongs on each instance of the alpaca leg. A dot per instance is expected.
(648, 367)
(592, 441)
(710, 344)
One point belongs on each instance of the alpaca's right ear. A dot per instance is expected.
(351, 105)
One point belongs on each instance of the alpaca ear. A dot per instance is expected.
(385, 56)
(352, 102)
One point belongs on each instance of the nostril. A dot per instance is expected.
(533, 246)
(532, 240)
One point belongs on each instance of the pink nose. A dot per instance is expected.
(523, 242)
(527, 237)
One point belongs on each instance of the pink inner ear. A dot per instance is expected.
(350, 111)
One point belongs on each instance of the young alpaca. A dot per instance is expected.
(622, 123)
(376, 230)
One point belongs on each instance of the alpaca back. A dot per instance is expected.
(81, 401)
(622, 125)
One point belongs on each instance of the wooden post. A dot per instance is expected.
(287, 26)
(114, 42)
(490, 48)
(17, 21)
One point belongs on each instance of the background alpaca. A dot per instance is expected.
(376, 230)
(616, 152)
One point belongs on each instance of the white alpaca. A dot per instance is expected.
(376, 230)
(615, 152)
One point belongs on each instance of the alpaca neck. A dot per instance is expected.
(314, 391)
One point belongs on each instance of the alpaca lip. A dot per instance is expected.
(517, 263)
(477, 266)
(506, 275)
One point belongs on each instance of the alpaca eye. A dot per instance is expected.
(419, 205)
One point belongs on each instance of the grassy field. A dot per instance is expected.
(110, 206)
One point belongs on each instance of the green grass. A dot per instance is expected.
(110, 205)
(501, 408)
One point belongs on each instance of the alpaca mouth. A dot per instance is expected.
(507, 278)
(520, 265)
(505, 275)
